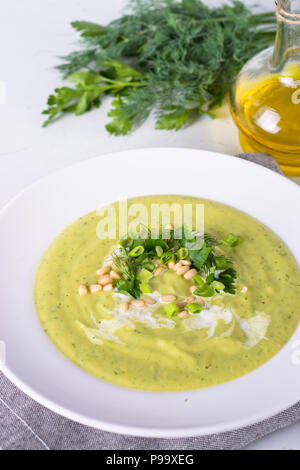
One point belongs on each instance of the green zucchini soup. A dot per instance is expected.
(169, 313)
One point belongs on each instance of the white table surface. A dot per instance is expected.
(32, 34)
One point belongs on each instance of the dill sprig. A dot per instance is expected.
(128, 269)
(126, 266)
(183, 58)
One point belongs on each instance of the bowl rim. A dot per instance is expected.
(132, 430)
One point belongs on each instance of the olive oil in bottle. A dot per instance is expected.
(265, 102)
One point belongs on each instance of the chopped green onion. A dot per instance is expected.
(171, 309)
(144, 276)
(194, 307)
(221, 262)
(137, 251)
(231, 240)
(145, 289)
(159, 250)
(198, 280)
(126, 241)
(205, 291)
(183, 253)
(167, 257)
(218, 285)
(149, 266)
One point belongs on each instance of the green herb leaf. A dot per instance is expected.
(209, 240)
(152, 243)
(65, 100)
(199, 257)
(130, 288)
(228, 278)
(221, 262)
(88, 29)
(174, 120)
(211, 274)
(231, 240)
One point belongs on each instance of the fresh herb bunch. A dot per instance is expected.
(183, 57)
(137, 258)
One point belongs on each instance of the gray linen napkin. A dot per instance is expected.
(27, 425)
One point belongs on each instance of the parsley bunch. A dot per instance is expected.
(177, 58)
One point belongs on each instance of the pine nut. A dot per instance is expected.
(149, 301)
(82, 290)
(106, 279)
(95, 288)
(182, 270)
(190, 299)
(138, 303)
(192, 289)
(177, 265)
(186, 262)
(108, 287)
(102, 271)
(190, 274)
(114, 275)
(158, 271)
(125, 306)
(182, 314)
(171, 265)
(168, 298)
(200, 301)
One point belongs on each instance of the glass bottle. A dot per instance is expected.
(265, 101)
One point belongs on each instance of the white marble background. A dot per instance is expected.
(32, 34)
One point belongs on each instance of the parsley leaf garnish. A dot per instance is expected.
(228, 278)
(199, 257)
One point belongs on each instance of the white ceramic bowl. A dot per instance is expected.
(30, 222)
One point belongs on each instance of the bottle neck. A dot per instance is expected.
(287, 44)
